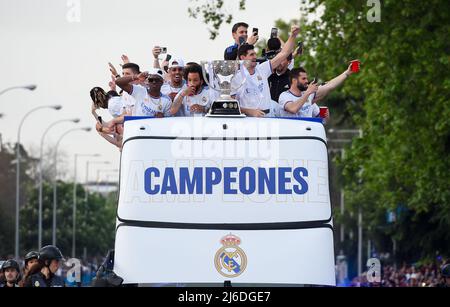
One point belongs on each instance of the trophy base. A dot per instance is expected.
(225, 108)
(223, 115)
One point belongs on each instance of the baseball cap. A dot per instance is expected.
(157, 72)
(176, 63)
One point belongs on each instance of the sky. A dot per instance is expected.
(64, 46)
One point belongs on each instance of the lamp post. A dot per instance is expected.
(87, 129)
(75, 198)
(30, 87)
(55, 107)
(74, 120)
(360, 230)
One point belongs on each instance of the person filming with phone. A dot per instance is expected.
(240, 36)
(254, 95)
(302, 97)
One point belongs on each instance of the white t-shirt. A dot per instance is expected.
(116, 106)
(148, 106)
(168, 89)
(255, 93)
(309, 109)
(129, 102)
(205, 98)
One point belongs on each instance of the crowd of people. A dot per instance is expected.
(264, 87)
(46, 268)
(427, 275)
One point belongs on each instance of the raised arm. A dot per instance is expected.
(178, 101)
(295, 106)
(288, 48)
(125, 82)
(156, 52)
(331, 85)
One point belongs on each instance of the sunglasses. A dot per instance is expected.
(154, 80)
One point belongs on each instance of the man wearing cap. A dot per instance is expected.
(176, 82)
(149, 101)
(11, 270)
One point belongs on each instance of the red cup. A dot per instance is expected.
(355, 65)
(323, 112)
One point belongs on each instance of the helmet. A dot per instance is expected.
(50, 252)
(446, 271)
(31, 255)
(11, 263)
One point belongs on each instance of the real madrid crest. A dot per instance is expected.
(230, 260)
(204, 99)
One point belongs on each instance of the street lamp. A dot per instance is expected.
(87, 129)
(30, 87)
(74, 120)
(87, 174)
(55, 107)
(75, 197)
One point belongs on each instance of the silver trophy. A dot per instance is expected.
(220, 76)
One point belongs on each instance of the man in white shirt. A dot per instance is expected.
(148, 102)
(254, 95)
(302, 97)
(196, 98)
(176, 83)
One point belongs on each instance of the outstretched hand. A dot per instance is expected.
(295, 30)
(125, 59)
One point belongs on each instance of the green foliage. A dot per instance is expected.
(403, 91)
(95, 220)
(213, 14)
(8, 194)
(401, 101)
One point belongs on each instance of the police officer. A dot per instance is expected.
(11, 270)
(49, 259)
(30, 259)
(446, 276)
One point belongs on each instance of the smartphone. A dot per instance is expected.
(100, 119)
(274, 33)
(241, 40)
(267, 111)
(255, 31)
(168, 57)
(163, 50)
(300, 48)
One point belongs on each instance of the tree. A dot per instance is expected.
(403, 159)
(95, 221)
(213, 14)
(8, 194)
(400, 100)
